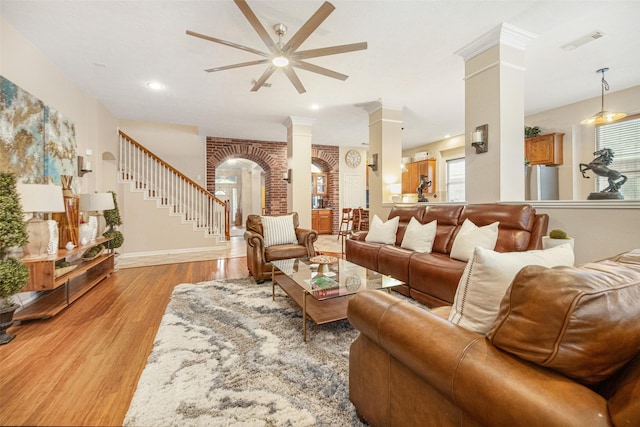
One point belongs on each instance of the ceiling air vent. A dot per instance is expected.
(594, 35)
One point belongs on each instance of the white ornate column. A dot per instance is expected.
(299, 133)
(385, 141)
(494, 95)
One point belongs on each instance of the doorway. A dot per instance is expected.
(241, 182)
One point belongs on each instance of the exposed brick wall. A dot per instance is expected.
(326, 158)
(272, 157)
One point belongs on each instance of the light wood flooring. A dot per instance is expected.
(82, 366)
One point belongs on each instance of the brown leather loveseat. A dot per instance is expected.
(432, 278)
(259, 257)
(563, 351)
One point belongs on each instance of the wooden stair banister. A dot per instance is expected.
(161, 181)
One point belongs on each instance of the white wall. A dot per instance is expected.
(179, 145)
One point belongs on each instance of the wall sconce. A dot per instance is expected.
(479, 139)
(373, 162)
(287, 176)
(83, 167)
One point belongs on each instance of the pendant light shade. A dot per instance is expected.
(603, 116)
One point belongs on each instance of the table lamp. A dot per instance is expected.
(38, 199)
(95, 204)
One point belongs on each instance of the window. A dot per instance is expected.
(623, 138)
(455, 180)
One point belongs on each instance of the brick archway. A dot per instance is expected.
(272, 157)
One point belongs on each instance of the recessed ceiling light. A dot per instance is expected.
(447, 136)
(155, 85)
(315, 106)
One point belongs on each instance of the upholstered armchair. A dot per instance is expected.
(259, 255)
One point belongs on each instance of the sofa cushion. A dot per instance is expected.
(470, 236)
(581, 322)
(419, 237)
(486, 278)
(405, 214)
(278, 230)
(382, 232)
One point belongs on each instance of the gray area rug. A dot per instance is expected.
(225, 354)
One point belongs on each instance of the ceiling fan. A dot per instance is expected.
(285, 56)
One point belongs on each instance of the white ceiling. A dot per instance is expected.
(110, 49)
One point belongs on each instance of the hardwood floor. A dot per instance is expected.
(82, 366)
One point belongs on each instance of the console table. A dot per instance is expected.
(57, 293)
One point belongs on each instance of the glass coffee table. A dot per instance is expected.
(324, 295)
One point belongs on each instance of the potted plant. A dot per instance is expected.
(531, 132)
(113, 220)
(555, 238)
(14, 274)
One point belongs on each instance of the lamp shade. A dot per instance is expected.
(96, 202)
(41, 197)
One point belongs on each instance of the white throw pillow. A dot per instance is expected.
(278, 230)
(419, 237)
(382, 232)
(487, 277)
(470, 236)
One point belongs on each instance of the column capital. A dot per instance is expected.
(505, 34)
(373, 106)
(303, 121)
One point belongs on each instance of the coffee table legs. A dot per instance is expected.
(304, 316)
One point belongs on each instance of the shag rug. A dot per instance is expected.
(226, 354)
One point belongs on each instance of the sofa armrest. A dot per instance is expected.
(491, 386)
(307, 237)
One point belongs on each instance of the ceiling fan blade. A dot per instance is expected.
(243, 64)
(309, 27)
(293, 77)
(263, 78)
(257, 26)
(333, 50)
(320, 70)
(226, 43)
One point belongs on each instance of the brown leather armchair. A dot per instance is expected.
(259, 258)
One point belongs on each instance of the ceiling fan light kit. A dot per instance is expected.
(603, 117)
(285, 56)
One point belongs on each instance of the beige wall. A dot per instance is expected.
(179, 145)
(95, 126)
(579, 140)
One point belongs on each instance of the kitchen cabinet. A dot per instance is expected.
(544, 149)
(322, 221)
(319, 184)
(411, 177)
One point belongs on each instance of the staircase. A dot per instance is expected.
(158, 180)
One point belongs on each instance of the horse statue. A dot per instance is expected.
(600, 166)
(424, 184)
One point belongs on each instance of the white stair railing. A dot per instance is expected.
(161, 181)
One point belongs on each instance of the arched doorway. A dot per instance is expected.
(242, 183)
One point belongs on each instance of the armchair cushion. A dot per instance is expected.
(278, 230)
(581, 322)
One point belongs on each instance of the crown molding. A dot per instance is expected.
(505, 34)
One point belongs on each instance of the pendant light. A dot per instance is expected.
(603, 116)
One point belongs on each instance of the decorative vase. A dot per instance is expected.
(52, 246)
(69, 220)
(86, 233)
(6, 320)
(548, 242)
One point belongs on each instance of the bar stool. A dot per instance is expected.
(356, 220)
(345, 223)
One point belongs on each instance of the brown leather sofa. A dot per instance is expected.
(411, 367)
(259, 258)
(432, 278)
